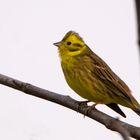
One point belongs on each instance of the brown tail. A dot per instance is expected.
(137, 111)
(137, 108)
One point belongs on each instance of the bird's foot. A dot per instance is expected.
(82, 103)
(89, 109)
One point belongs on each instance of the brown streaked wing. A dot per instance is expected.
(111, 80)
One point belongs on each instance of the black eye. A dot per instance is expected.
(68, 43)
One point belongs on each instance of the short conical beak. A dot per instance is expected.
(57, 44)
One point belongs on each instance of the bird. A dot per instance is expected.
(90, 76)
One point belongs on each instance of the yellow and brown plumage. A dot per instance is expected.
(90, 77)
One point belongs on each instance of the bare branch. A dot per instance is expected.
(111, 123)
(137, 2)
(117, 126)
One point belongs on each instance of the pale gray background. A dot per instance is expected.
(28, 28)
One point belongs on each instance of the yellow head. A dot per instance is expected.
(71, 45)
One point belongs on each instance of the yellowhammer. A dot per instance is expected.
(90, 77)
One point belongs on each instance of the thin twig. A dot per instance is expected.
(137, 2)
